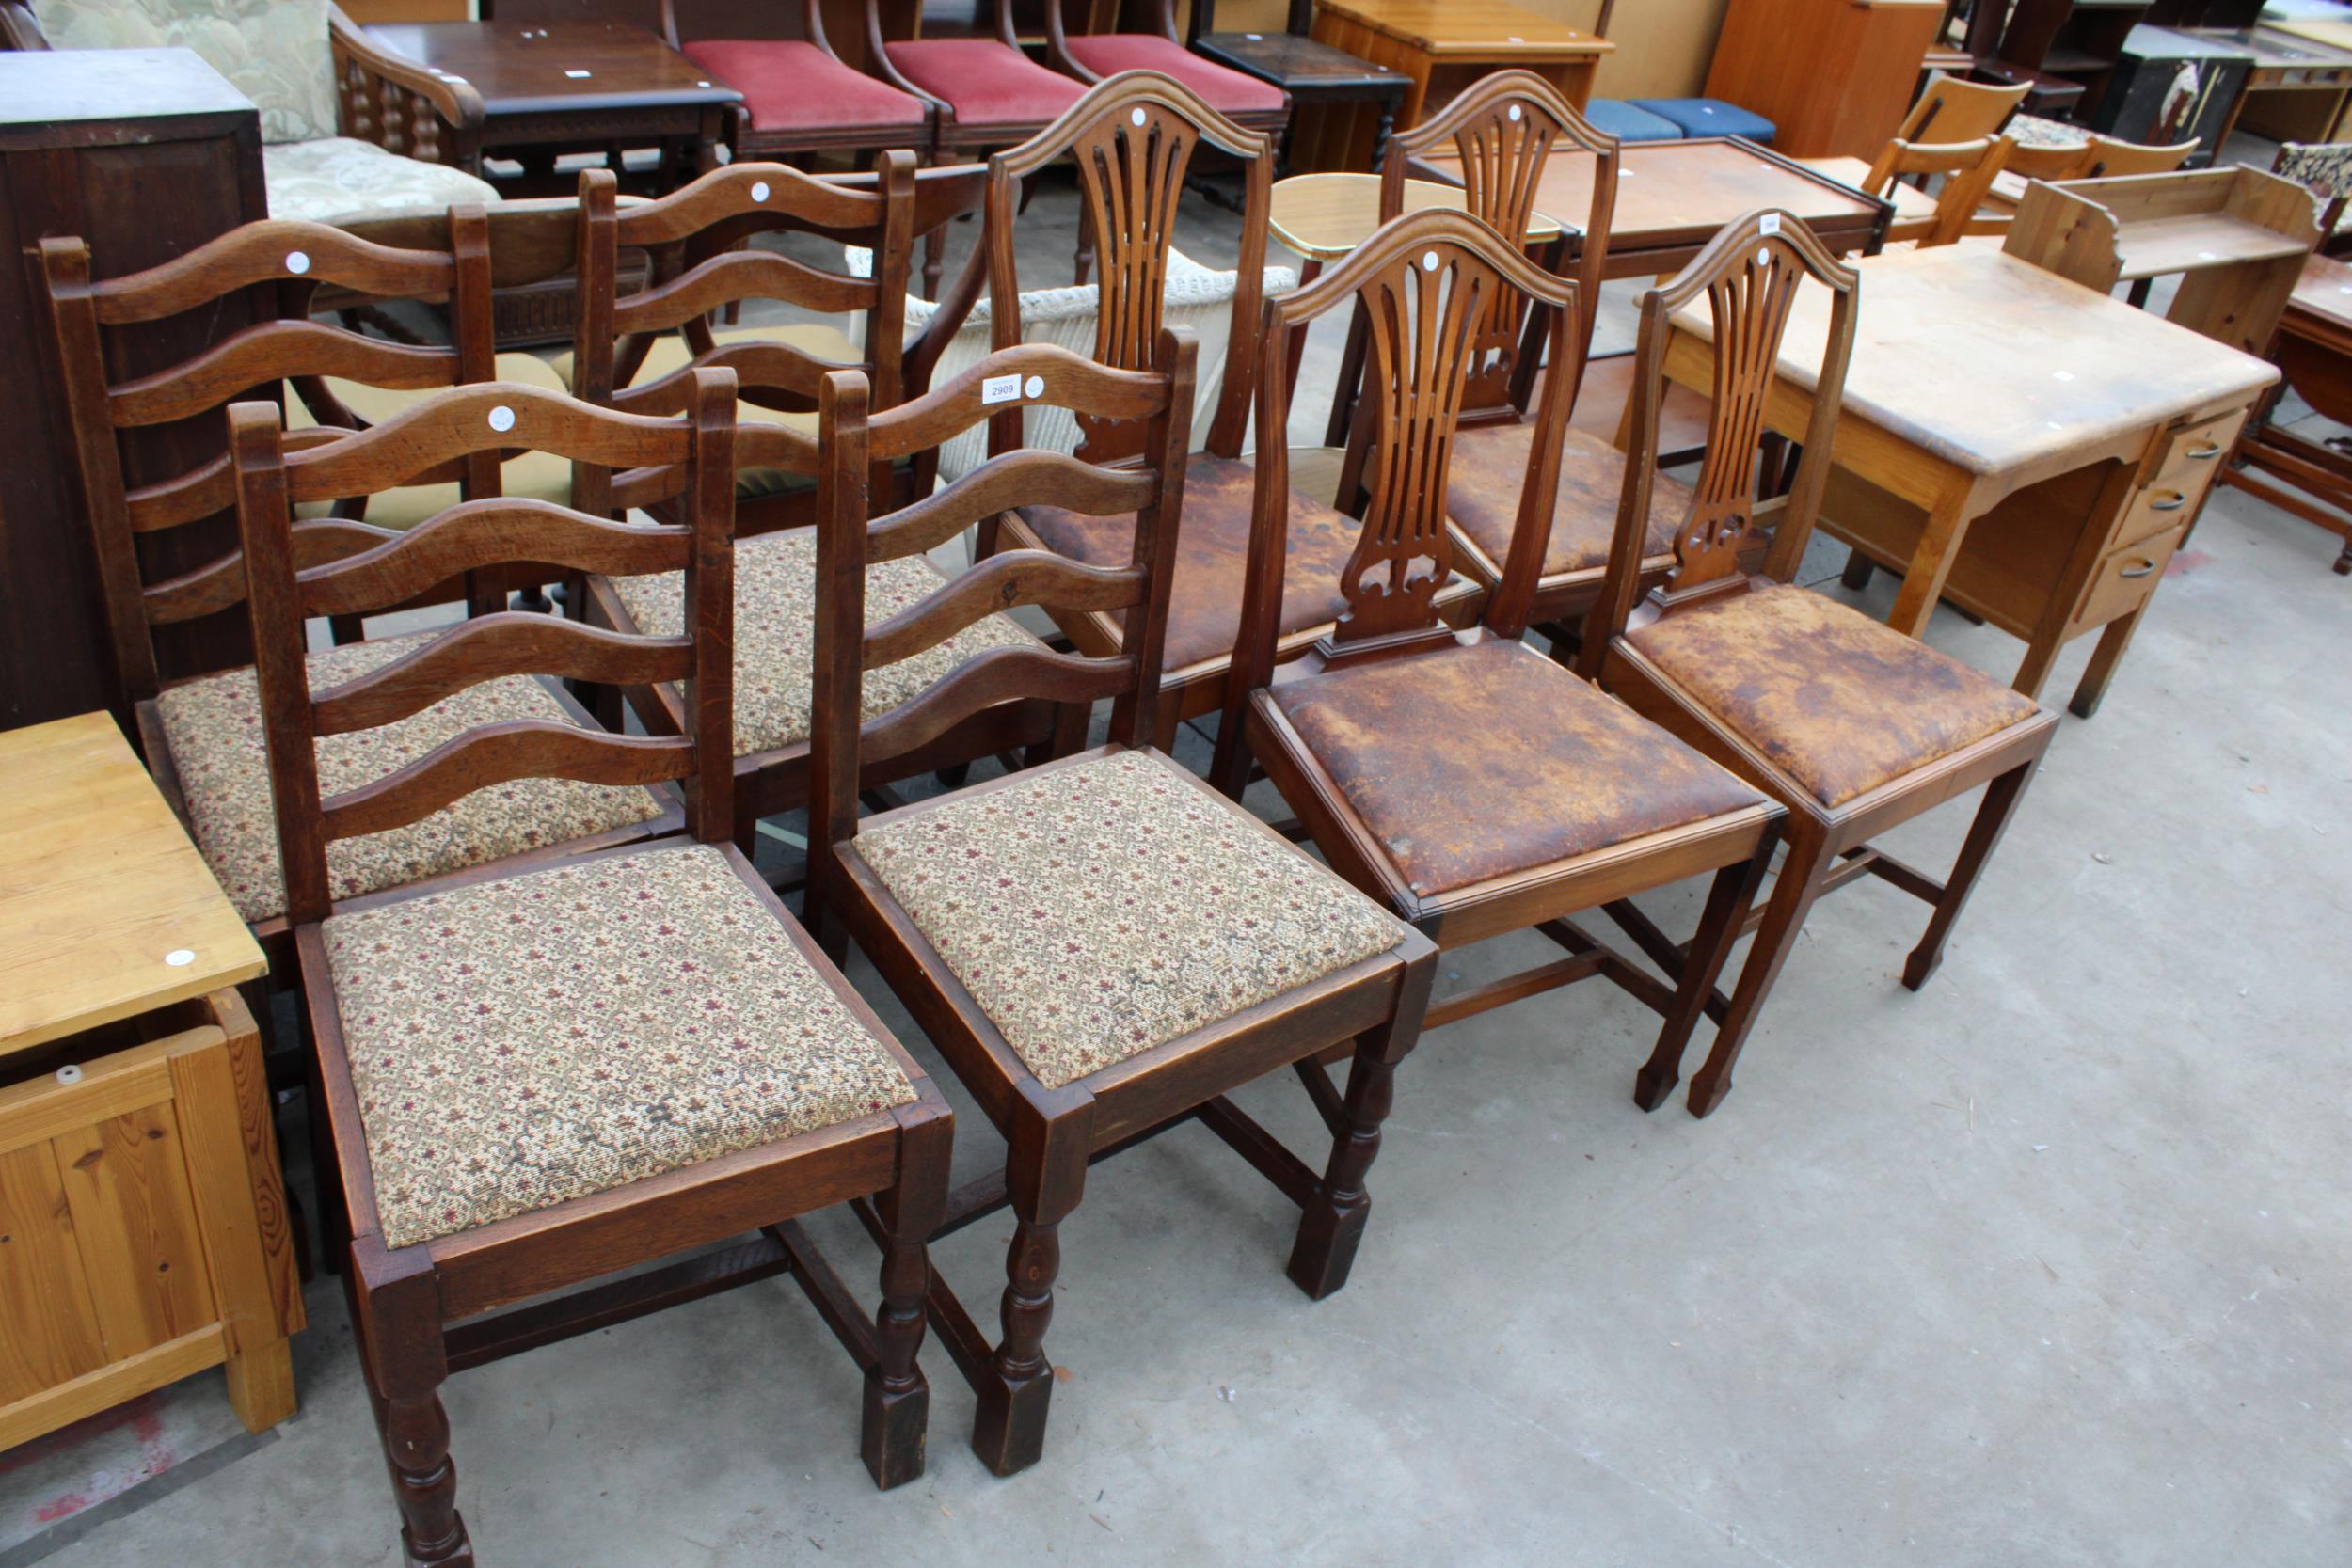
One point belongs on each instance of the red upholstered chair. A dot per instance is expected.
(799, 95)
(1247, 101)
(985, 93)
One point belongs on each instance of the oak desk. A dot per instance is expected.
(1441, 46)
(143, 1232)
(1673, 196)
(2012, 442)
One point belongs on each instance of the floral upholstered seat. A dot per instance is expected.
(1099, 909)
(2325, 168)
(276, 53)
(521, 1043)
(1839, 702)
(776, 637)
(214, 730)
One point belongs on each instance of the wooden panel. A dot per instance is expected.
(48, 1330)
(1835, 76)
(127, 1184)
(23, 1421)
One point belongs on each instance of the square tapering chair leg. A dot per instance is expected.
(1728, 899)
(1993, 814)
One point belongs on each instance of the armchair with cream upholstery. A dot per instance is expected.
(347, 128)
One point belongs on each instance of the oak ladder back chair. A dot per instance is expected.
(985, 93)
(1165, 948)
(1847, 722)
(1968, 169)
(637, 351)
(1133, 138)
(167, 551)
(1471, 784)
(694, 234)
(1505, 130)
(709, 1073)
(800, 96)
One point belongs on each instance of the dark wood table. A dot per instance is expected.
(559, 87)
(1318, 78)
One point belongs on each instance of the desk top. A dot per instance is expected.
(2324, 290)
(2334, 36)
(100, 889)
(1994, 366)
(1468, 27)
(1323, 217)
(556, 65)
(1674, 192)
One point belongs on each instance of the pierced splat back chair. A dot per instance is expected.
(1133, 140)
(696, 231)
(1102, 947)
(167, 555)
(585, 1061)
(1849, 723)
(1469, 782)
(1505, 130)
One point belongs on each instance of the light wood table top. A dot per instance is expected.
(1997, 366)
(2152, 248)
(2334, 35)
(100, 889)
(1680, 192)
(1323, 217)
(2324, 290)
(1442, 27)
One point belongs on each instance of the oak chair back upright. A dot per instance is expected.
(1850, 725)
(1183, 948)
(1949, 110)
(1403, 744)
(467, 1171)
(1968, 169)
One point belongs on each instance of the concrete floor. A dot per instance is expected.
(2042, 1265)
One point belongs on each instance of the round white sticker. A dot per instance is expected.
(297, 261)
(178, 958)
(1036, 387)
(1514, 112)
(759, 190)
(1135, 117)
(501, 419)
(1429, 261)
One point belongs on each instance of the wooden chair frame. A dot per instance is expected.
(1749, 273)
(424, 1310)
(1056, 1134)
(1968, 168)
(697, 231)
(1958, 110)
(1402, 555)
(162, 559)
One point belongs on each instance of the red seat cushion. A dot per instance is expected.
(983, 81)
(791, 85)
(1226, 90)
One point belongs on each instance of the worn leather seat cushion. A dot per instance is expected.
(521, 1043)
(1551, 767)
(1490, 470)
(1839, 702)
(1096, 909)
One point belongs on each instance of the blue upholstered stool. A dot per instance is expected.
(1615, 117)
(1710, 116)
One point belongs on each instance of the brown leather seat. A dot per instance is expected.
(1212, 557)
(1839, 702)
(1557, 769)
(1483, 500)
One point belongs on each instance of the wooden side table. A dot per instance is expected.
(1441, 46)
(1325, 85)
(143, 1229)
(559, 87)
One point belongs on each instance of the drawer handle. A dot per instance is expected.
(2178, 501)
(2205, 453)
(2143, 569)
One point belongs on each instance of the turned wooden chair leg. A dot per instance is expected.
(1993, 814)
(897, 1400)
(1728, 900)
(1333, 1225)
(1793, 891)
(403, 1354)
(1045, 1179)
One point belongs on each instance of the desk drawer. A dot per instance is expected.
(2126, 577)
(2193, 454)
(2157, 508)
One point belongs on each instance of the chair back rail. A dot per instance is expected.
(1955, 110)
(1750, 274)
(1505, 128)
(1968, 168)
(283, 594)
(850, 539)
(1131, 138)
(693, 236)
(181, 576)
